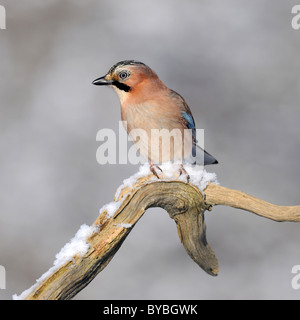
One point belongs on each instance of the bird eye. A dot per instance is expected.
(123, 75)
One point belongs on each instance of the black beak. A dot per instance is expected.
(102, 82)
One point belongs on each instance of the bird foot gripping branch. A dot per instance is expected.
(159, 174)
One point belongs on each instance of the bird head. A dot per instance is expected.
(127, 77)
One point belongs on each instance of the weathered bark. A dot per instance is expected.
(184, 203)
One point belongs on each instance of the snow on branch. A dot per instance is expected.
(94, 246)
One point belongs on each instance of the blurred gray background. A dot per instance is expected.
(237, 65)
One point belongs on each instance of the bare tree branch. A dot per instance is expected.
(217, 195)
(184, 203)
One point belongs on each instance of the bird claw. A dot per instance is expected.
(183, 171)
(153, 170)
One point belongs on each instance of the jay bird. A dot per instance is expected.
(147, 104)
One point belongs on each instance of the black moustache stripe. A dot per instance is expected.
(121, 86)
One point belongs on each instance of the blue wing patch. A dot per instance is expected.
(189, 119)
(190, 124)
(199, 155)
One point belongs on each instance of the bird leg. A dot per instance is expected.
(182, 170)
(153, 169)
